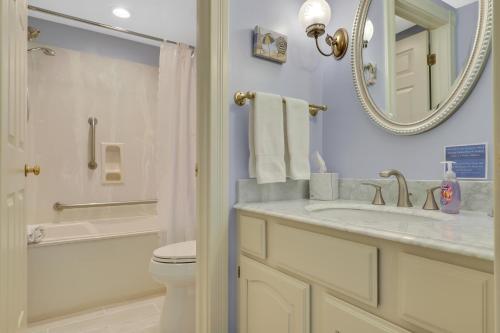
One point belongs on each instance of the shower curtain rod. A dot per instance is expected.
(102, 25)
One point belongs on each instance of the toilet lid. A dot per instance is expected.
(184, 252)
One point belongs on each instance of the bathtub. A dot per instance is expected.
(87, 264)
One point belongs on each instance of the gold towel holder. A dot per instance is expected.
(240, 98)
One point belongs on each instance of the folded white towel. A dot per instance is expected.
(266, 139)
(297, 138)
(35, 233)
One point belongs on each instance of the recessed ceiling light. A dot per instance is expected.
(121, 12)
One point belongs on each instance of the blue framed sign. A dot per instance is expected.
(471, 161)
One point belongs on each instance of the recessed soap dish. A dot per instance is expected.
(112, 169)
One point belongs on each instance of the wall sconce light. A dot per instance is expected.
(314, 15)
(368, 34)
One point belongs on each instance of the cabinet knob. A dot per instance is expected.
(34, 170)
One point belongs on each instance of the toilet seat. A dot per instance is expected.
(177, 253)
(174, 266)
(174, 261)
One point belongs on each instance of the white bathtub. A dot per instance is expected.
(82, 265)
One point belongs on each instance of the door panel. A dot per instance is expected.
(253, 236)
(13, 103)
(339, 316)
(271, 301)
(412, 78)
(464, 293)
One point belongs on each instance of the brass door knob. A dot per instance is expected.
(34, 170)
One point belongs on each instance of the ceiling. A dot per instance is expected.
(168, 19)
(403, 24)
(459, 3)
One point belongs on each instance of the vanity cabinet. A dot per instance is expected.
(296, 277)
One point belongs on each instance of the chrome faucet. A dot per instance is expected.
(403, 195)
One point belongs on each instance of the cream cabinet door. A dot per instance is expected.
(271, 301)
(340, 317)
(444, 298)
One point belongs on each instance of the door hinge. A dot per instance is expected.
(239, 272)
(431, 59)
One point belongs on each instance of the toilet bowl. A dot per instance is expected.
(174, 266)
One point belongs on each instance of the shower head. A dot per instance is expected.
(45, 50)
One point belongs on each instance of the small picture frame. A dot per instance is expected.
(269, 45)
(471, 160)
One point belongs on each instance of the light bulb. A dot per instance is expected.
(368, 34)
(121, 12)
(314, 12)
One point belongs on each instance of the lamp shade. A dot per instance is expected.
(314, 12)
(368, 34)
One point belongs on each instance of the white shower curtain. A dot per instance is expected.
(176, 144)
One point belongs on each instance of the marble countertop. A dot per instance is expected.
(468, 233)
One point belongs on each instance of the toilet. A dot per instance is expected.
(174, 266)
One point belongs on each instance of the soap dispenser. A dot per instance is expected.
(450, 190)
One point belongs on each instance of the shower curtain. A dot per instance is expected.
(176, 144)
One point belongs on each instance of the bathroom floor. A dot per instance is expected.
(142, 316)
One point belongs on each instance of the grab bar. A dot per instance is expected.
(92, 163)
(61, 206)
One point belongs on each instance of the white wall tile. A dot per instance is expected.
(64, 91)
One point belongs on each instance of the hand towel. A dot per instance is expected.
(297, 138)
(266, 139)
(35, 233)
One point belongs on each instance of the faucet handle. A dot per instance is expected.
(378, 199)
(430, 202)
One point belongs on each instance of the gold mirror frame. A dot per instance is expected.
(461, 89)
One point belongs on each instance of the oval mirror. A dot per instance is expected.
(416, 61)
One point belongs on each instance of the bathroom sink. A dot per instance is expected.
(371, 214)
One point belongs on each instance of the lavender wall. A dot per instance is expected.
(300, 77)
(357, 148)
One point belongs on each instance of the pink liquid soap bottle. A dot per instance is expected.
(450, 191)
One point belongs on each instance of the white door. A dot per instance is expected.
(271, 301)
(412, 78)
(13, 103)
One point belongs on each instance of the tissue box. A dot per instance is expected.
(324, 186)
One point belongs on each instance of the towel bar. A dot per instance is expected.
(240, 98)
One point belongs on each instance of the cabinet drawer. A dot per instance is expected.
(253, 236)
(341, 317)
(348, 267)
(444, 298)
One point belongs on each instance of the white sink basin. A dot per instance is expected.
(347, 212)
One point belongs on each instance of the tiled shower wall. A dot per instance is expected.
(64, 91)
